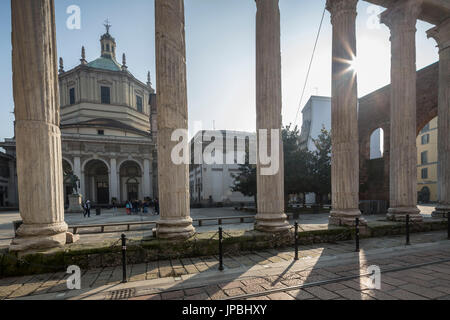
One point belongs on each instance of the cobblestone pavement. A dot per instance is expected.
(198, 278)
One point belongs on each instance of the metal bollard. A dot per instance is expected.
(124, 259)
(407, 230)
(220, 249)
(296, 241)
(357, 234)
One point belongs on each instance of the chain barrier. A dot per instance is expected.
(277, 238)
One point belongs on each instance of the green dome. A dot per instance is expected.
(105, 64)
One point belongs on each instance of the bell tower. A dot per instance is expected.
(108, 43)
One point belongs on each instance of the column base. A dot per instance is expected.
(400, 213)
(346, 218)
(271, 222)
(176, 229)
(441, 211)
(39, 236)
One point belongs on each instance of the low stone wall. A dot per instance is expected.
(107, 254)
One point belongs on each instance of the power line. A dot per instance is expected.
(310, 64)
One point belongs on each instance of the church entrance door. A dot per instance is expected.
(102, 193)
(133, 191)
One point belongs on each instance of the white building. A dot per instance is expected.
(211, 184)
(316, 115)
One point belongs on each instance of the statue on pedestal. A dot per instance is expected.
(75, 197)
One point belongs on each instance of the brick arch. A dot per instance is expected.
(374, 113)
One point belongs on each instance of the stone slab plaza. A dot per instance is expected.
(324, 270)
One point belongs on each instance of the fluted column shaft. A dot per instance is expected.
(344, 116)
(38, 138)
(441, 34)
(401, 19)
(173, 178)
(270, 188)
(113, 179)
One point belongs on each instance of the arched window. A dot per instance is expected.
(377, 144)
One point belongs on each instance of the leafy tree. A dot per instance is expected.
(321, 177)
(245, 180)
(297, 163)
(298, 168)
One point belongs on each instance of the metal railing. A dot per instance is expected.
(199, 221)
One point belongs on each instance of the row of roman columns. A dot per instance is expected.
(401, 19)
(173, 178)
(38, 136)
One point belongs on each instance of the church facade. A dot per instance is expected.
(108, 129)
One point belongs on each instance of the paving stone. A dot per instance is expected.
(300, 294)
(425, 292)
(405, 295)
(201, 296)
(293, 282)
(442, 289)
(392, 281)
(269, 286)
(194, 291)
(321, 293)
(233, 292)
(231, 285)
(254, 288)
(280, 296)
(334, 286)
(172, 295)
(253, 281)
(379, 295)
(258, 298)
(219, 295)
(149, 297)
(191, 269)
(351, 294)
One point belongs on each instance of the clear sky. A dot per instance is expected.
(220, 40)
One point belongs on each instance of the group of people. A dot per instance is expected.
(132, 207)
(135, 207)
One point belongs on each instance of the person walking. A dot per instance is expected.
(88, 209)
(128, 206)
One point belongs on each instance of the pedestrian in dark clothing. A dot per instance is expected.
(87, 211)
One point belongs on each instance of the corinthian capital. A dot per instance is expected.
(341, 7)
(402, 16)
(441, 34)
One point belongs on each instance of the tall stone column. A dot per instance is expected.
(441, 34)
(173, 178)
(401, 19)
(114, 186)
(146, 178)
(270, 188)
(38, 138)
(344, 115)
